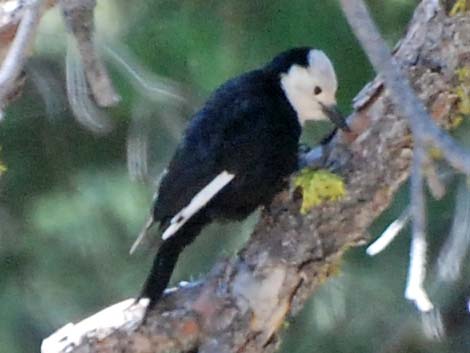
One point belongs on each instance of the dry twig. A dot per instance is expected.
(78, 15)
(13, 63)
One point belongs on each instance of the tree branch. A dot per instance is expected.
(406, 102)
(425, 133)
(14, 61)
(79, 18)
(16, 40)
(243, 301)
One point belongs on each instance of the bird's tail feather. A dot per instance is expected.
(166, 258)
(143, 233)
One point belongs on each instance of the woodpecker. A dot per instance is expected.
(238, 151)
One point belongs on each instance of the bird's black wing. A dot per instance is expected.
(223, 136)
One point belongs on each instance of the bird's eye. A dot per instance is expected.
(317, 90)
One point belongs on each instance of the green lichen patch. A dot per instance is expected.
(460, 6)
(435, 153)
(463, 90)
(464, 100)
(318, 186)
(3, 168)
(455, 122)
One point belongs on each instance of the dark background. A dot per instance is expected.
(70, 208)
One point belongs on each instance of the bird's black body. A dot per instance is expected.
(247, 128)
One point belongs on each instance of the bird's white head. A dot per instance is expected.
(310, 86)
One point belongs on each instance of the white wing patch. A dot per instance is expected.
(199, 201)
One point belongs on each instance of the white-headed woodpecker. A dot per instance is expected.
(238, 151)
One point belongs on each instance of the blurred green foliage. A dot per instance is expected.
(69, 210)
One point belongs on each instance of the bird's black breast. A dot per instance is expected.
(247, 128)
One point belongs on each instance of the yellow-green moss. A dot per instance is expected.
(463, 74)
(460, 6)
(455, 122)
(435, 153)
(464, 99)
(331, 269)
(462, 90)
(3, 168)
(318, 186)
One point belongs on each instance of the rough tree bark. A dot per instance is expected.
(243, 301)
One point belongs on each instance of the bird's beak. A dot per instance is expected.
(336, 117)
